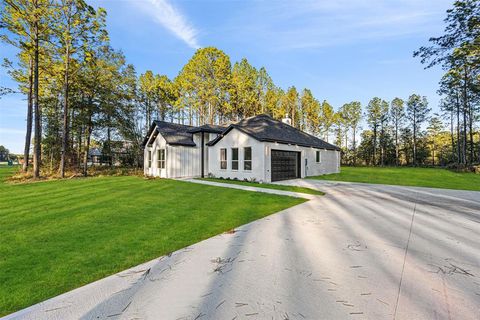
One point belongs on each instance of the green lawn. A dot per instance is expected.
(6, 171)
(268, 186)
(58, 235)
(420, 177)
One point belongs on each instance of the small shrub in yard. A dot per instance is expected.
(476, 169)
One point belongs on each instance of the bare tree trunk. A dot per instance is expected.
(459, 158)
(396, 143)
(467, 110)
(65, 115)
(470, 130)
(433, 152)
(414, 138)
(452, 138)
(464, 111)
(190, 116)
(465, 142)
(374, 145)
(88, 134)
(382, 146)
(79, 147)
(28, 135)
(346, 143)
(109, 144)
(354, 146)
(37, 158)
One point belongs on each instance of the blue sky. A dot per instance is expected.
(342, 50)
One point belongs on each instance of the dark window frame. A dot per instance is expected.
(223, 158)
(149, 158)
(247, 163)
(318, 157)
(235, 159)
(161, 158)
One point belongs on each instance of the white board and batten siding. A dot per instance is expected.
(180, 161)
(183, 161)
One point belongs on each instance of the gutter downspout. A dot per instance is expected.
(203, 155)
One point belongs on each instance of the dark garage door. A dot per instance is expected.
(285, 165)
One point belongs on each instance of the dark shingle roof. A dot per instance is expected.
(173, 133)
(210, 128)
(94, 152)
(265, 128)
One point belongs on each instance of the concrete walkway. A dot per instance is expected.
(360, 252)
(256, 189)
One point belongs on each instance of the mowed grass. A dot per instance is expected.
(419, 177)
(269, 186)
(59, 235)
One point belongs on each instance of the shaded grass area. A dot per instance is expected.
(419, 177)
(268, 186)
(59, 235)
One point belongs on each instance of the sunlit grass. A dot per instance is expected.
(59, 235)
(405, 176)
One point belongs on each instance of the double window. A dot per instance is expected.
(149, 158)
(161, 159)
(234, 158)
(318, 157)
(247, 158)
(223, 159)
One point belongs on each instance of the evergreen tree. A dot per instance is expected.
(397, 116)
(417, 114)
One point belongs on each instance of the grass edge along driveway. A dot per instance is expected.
(60, 235)
(405, 176)
(268, 186)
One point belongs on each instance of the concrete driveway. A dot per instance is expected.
(360, 252)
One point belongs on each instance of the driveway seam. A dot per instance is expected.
(405, 256)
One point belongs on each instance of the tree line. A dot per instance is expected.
(81, 92)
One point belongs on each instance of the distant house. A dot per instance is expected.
(118, 155)
(95, 156)
(257, 148)
(4, 154)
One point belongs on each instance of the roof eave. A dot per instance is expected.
(181, 144)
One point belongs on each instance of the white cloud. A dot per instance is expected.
(171, 18)
(317, 24)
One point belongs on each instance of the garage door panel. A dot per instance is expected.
(285, 165)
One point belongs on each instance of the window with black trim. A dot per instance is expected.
(149, 158)
(223, 158)
(234, 158)
(247, 158)
(319, 157)
(161, 159)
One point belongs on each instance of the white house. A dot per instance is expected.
(259, 148)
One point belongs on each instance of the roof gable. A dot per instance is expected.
(266, 129)
(173, 133)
